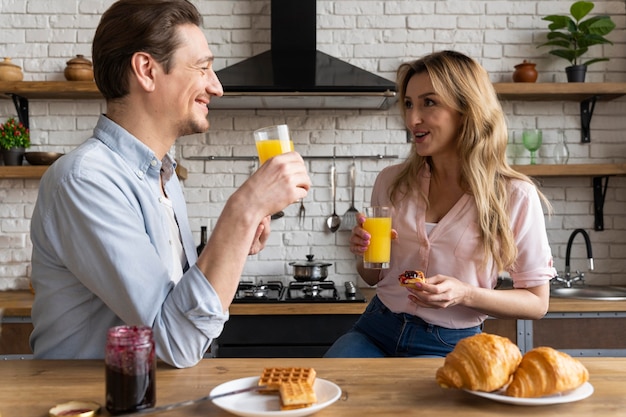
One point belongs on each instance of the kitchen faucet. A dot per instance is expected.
(568, 280)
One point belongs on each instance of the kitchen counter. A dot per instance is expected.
(18, 304)
(376, 387)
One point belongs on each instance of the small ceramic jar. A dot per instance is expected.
(9, 71)
(79, 69)
(525, 73)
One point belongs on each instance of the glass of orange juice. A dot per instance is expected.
(271, 141)
(378, 225)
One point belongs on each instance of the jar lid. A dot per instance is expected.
(75, 409)
(7, 62)
(79, 60)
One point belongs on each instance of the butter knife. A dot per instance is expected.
(187, 403)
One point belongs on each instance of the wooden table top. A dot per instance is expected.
(370, 387)
(18, 304)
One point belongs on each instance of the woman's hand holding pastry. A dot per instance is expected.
(439, 291)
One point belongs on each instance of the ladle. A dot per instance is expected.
(333, 221)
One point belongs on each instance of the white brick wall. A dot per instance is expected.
(41, 35)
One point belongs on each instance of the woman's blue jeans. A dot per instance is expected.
(381, 333)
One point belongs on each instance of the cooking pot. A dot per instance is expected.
(310, 270)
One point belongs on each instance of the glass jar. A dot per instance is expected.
(130, 362)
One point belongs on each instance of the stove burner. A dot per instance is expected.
(262, 292)
(296, 292)
(317, 290)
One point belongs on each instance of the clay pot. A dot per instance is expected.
(525, 73)
(9, 71)
(79, 69)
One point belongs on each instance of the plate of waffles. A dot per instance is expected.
(257, 404)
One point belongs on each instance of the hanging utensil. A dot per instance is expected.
(333, 221)
(349, 218)
(301, 213)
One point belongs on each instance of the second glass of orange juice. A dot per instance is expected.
(378, 225)
(271, 141)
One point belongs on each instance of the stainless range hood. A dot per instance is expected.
(293, 74)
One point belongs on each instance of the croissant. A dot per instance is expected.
(483, 362)
(546, 371)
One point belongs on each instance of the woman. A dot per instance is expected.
(460, 214)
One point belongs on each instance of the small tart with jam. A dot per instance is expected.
(411, 277)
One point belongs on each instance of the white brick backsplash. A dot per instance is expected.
(41, 36)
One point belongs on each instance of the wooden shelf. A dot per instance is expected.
(559, 91)
(573, 170)
(23, 172)
(37, 171)
(50, 89)
(506, 91)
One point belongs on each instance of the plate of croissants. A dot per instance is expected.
(493, 367)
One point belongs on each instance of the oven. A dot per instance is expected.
(286, 335)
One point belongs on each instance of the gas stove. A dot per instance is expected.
(298, 292)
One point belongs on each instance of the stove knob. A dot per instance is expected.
(350, 288)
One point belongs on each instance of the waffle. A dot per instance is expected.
(295, 395)
(273, 378)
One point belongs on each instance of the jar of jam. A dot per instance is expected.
(130, 362)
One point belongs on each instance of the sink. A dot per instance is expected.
(590, 292)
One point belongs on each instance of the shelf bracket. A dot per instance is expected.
(599, 192)
(586, 111)
(21, 106)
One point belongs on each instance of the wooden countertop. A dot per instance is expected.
(18, 304)
(370, 387)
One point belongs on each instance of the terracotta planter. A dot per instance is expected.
(576, 73)
(13, 156)
(525, 73)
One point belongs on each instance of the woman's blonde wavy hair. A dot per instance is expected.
(464, 86)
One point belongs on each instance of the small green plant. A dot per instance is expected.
(573, 36)
(14, 134)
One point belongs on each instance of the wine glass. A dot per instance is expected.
(532, 139)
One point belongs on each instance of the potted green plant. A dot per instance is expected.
(573, 36)
(14, 139)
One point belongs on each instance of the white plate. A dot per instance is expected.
(253, 404)
(577, 394)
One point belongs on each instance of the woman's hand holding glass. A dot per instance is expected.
(360, 238)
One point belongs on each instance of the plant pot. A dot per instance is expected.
(576, 73)
(13, 156)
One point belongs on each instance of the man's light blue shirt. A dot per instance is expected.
(101, 255)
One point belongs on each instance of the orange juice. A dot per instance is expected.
(378, 252)
(271, 147)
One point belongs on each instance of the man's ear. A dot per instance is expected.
(143, 69)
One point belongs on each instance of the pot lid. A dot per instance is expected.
(79, 60)
(309, 262)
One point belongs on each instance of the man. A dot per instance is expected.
(111, 239)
